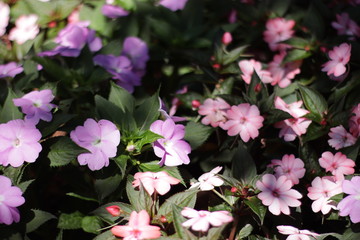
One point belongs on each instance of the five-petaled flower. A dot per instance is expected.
(339, 57)
(296, 234)
(338, 164)
(209, 180)
(289, 166)
(278, 30)
(214, 111)
(350, 205)
(340, 138)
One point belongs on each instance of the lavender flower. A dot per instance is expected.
(112, 11)
(351, 204)
(36, 105)
(100, 138)
(172, 149)
(10, 198)
(10, 69)
(173, 5)
(138, 53)
(19, 143)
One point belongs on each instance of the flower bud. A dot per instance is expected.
(195, 104)
(226, 38)
(130, 147)
(114, 210)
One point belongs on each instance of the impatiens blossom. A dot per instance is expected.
(173, 5)
(340, 138)
(321, 190)
(350, 205)
(214, 111)
(202, 220)
(208, 181)
(114, 210)
(339, 57)
(277, 194)
(4, 17)
(294, 109)
(172, 149)
(72, 39)
(245, 120)
(290, 128)
(19, 143)
(345, 26)
(296, 234)
(10, 69)
(26, 28)
(248, 67)
(138, 228)
(154, 181)
(36, 105)
(278, 30)
(338, 164)
(100, 139)
(138, 53)
(10, 198)
(289, 166)
(113, 11)
(354, 122)
(282, 74)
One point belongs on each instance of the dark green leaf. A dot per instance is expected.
(121, 162)
(57, 121)
(24, 185)
(196, 134)
(296, 54)
(182, 232)
(146, 137)
(243, 165)
(40, 218)
(147, 112)
(256, 206)
(233, 55)
(71, 220)
(107, 235)
(9, 111)
(104, 187)
(245, 231)
(121, 98)
(91, 224)
(314, 102)
(139, 199)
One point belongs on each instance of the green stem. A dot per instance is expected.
(222, 197)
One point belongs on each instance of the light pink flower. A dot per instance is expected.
(4, 17)
(321, 190)
(278, 30)
(339, 57)
(296, 234)
(154, 181)
(248, 67)
(282, 74)
(25, 29)
(294, 109)
(209, 181)
(345, 26)
(173, 5)
(214, 111)
(354, 122)
(138, 228)
(290, 128)
(245, 120)
(340, 138)
(338, 164)
(226, 38)
(277, 194)
(289, 166)
(201, 220)
(350, 205)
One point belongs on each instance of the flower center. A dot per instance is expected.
(357, 197)
(37, 104)
(168, 143)
(242, 120)
(17, 142)
(275, 194)
(96, 142)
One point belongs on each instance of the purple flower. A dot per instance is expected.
(121, 69)
(172, 149)
(173, 5)
(36, 105)
(10, 69)
(19, 143)
(138, 53)
(100, 138)
(112, 11)
(72, 39)
(351, 204)
(10, 198)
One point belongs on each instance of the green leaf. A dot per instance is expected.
(57, 121)
(40, 218)
(196, 134)
(91, 224)
(215, 233)
(182, 232)
(256, 206)
(147, 112)
(314, 102)
(297, 42)
(121, 162)
(107, 235)
(9, 111)
(245, 231)
(296, 54)
(64, 151)
(70, 221)
(121, 98)
(314, 131)
(243, 165)
(224, 87)
(139, 199)
(233, 55)
(53, 69)
(104, 187)
(24, 185)
(181, 199)
(336, 235)
(146, 137)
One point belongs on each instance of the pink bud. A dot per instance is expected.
(114, 210)
(216, 66)
(226, 38)
(195, 104)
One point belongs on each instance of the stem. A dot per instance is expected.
(222, 197)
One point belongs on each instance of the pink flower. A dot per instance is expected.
(278, 30)
(346, 26)
(321, 190)
(201, 220)
(296, 234)
(339, 57)
(138, 228)
(289, 166)
(173, 5)
(214, 111)
(340, 138)
(226, 38)
(354, 122)
(19, 143)
(248, 67)
(4, 17)
(154, 181)
(277, 194)
(290, 128)
(100, 138)
(350, 205)
(25, 29)
(294, 109)
(282, 74)
(338, 164)
(172, 149)
(36, 105)
(209, 181)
